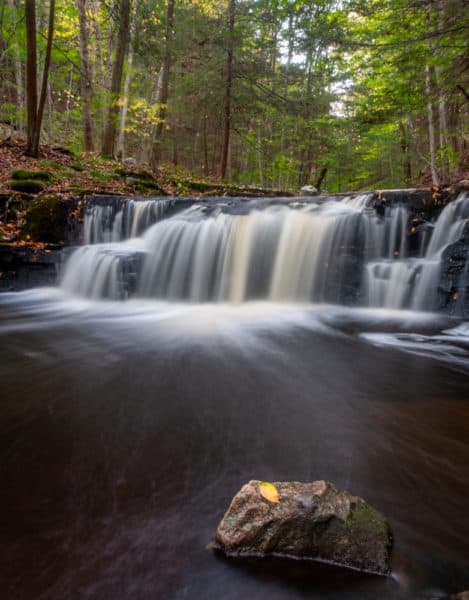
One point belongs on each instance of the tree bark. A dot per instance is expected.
(431, 126)
(228, 89)
(86, 87)
(404, 142)
(128, 77)
(45, 79)
(163, 85)
(109, 136)
(35, 109)
(18, 73)
(31, 74)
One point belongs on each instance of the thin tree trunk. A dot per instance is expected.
(109, 136)
(206, 167)
(259, 154)
(31, 74)
(110, 34)
(431, 126)
(442, 107)
(163, 85)
(404, 142)
(18, 73)
(99, 42)
(228, 89)
(86, 88)
(67, 104)
(128, 77)
(45, 79)
(321, 178)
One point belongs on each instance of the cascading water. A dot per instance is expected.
(332, 251)
(413, 282)
(108, 223)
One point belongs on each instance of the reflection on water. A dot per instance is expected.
(126, 428)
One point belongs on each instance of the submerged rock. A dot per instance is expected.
(309, 521)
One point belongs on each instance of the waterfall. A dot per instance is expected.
(108, 223)
(325, 251)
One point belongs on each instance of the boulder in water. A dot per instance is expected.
(307, 521)
(308, 190)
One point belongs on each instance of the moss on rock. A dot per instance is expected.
(29, 186)
(46, 219)
(22, 174)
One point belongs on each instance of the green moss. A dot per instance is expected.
(46, 219)
(142, 185)
(365, 517)
(50, 164)
(77, 167)
(122, 172)
(66, 174)
(21, 174)
(27, 185)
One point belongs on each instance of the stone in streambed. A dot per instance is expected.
(310, 521)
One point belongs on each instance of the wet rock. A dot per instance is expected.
(453, 286)
(308, 190)
(311, 521)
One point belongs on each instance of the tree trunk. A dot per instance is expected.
(45, 80)
(431, 126)
(110, 35)
(35, 109)
(86, 88)
(163, 85)
(442, 107)
(128, 77)
(18, 72)
(404, 142)
(228, 89)
(109, 136)
(321, 178)
(31, 74)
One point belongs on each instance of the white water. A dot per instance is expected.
(413, 283)
(103, 223)
(336, 251)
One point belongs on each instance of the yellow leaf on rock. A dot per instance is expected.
(269, 492)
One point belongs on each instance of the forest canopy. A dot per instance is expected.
(349, 94)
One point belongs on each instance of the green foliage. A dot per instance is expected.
(316, 84)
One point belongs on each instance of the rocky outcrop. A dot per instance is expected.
(454, 276)
(309, 521)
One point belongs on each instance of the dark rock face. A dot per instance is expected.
(24, 267)
(454, 277)
(310, 521)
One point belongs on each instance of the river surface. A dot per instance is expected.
(127, 427)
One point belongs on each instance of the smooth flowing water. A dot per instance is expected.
(127, 426)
